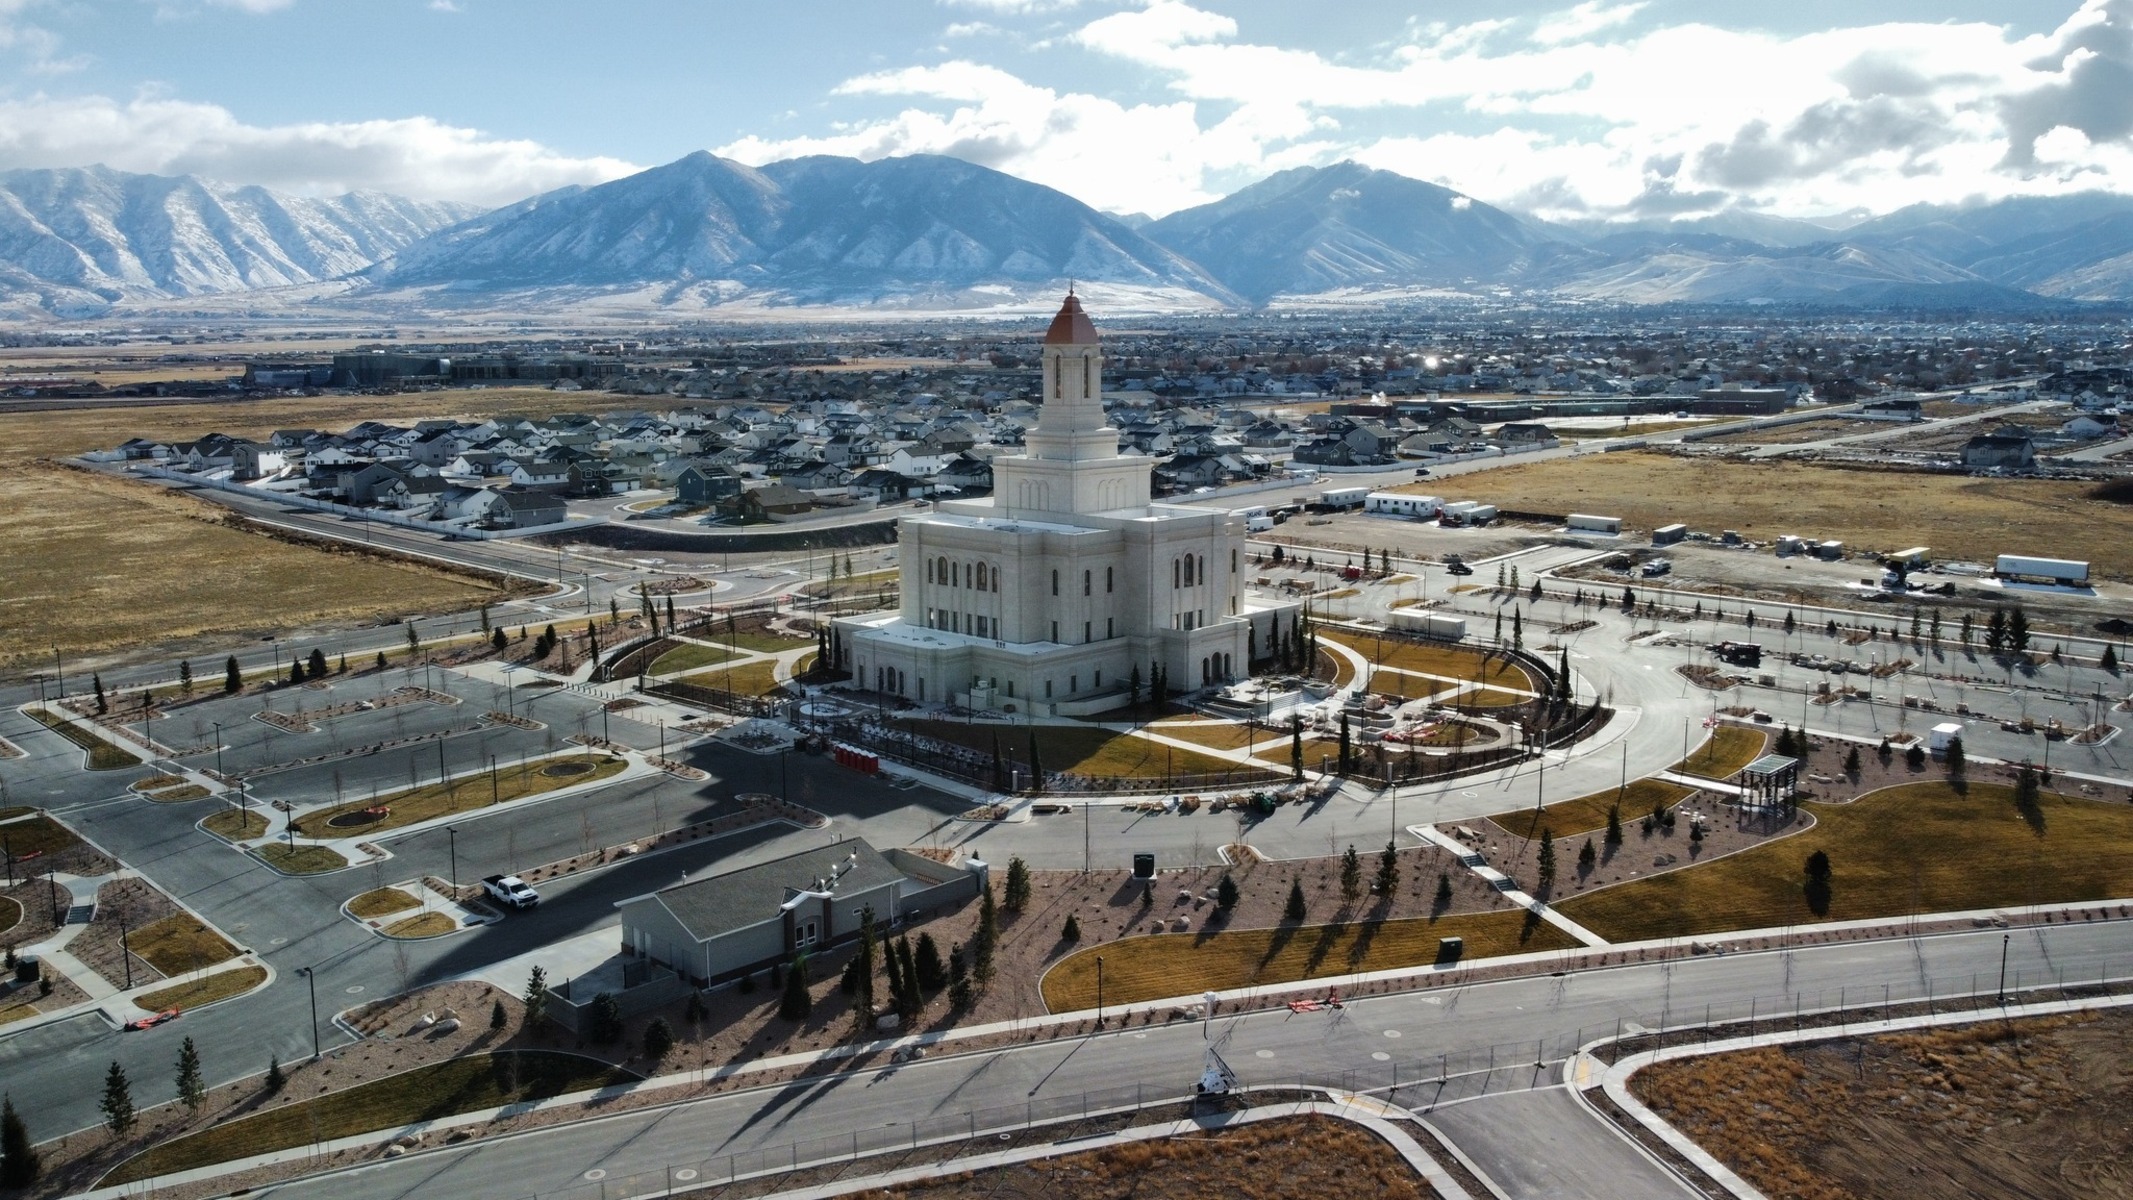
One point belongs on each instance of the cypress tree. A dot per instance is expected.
(275, 1080)
(117, 1102)
(1071, 931)
(185, 677)
(1614, 825)
(315, 666)
(19, 1160)
(913, 999)
(1351, 876)
(1547, 859)
(1226, 896)
(931, 975)
(796, 1003)
(1388, 880)
(988, 939)
(232, 678)
(191, 1089)
(102, 705)
(1036, 767)
(1444, 890)
(862, 969)
(1296, 748)
(1293, 910)
(1017, 895)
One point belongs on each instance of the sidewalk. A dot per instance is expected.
(1497, 879)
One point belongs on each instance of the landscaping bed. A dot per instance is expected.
(2034, 1107)
(459, 794)
(299, 860)
(206, 990)
(236, 824)
(1074, 750)
(1587, 813)
(379, 902)
(103, 755)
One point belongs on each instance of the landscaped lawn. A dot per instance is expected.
(10, 913)
(1914, 848)
(103, 755)
(421, 925)
(1082, 751)
(461, 794)
(1731, 747)
(1435, 658)
(178, 795)
(38, 835)
(1221, 735)
(300, 860)
(380, 901)
(444, 1089)
(761, 640)
(179, 943)
(751, 678)
(1586, 813)
(236, 824)
(689, 657)
(1154, 966)
(219, 986)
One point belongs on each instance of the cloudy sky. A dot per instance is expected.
(1590, 110)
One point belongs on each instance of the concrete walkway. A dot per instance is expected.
(1503, 883)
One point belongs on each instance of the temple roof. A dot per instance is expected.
(1072, 326)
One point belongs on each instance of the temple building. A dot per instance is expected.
(1046, 596)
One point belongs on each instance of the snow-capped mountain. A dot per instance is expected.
(78, 240)
(1316, 229)
(811, 230)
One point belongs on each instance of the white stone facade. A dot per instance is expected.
(1045, 597)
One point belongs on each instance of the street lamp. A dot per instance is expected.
(1099, 991)
(311, 976)
(452, 837)
(2000, 997)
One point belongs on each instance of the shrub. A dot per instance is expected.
(658, 1036)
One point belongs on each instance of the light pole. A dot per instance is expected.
(1999, 997)
(311, 977)
(1099, 991)
(451, 834)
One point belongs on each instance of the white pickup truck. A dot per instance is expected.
(511, 890)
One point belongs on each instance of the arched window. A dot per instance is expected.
(1188, 570)
(929, 570)
(1173, 573)
(943, 564)
(981, 577)
(1088, 375)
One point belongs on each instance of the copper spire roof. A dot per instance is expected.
(1072, 326)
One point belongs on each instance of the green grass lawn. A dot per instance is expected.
(300, 860)
(1914, 848)
(1435, 658)
(459, 1085)
(103, 755)
(179, 943)
(690, 657)
(1154, 966)
(1097, 752)
(1590, 812)
(219, 986)
(1731, 747)
(460, 794)
(236, 824)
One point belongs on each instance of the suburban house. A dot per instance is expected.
(2000, 450)
(774, 502)
(722, 927)
(704, 485)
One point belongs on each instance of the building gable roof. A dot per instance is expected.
(720, 904)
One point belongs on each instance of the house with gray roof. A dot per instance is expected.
(721, 927)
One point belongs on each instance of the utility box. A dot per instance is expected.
(1144, 866)
(1450, 950)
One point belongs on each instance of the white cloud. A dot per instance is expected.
(969, 29)
(413, 156)
(1583, 21)
(254, 6)
(445, 6)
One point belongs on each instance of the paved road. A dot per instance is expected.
(1541, 1144)
(1520, 1018)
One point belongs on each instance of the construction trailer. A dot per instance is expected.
(1466, 512)
(1429, 624)
(1937, 740)
(1400, 505)
(2063, 571)
(1587, 523)
(1667, 535)
(1342, 499)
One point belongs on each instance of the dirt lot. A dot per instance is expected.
(1960, 517)
(1295, 1156)
(1804, 431)
(2040, 1108)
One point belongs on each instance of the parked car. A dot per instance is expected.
(510, 890)
(1458, 568)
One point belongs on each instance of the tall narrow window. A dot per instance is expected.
(1173, 573)
(929, 570)
(1108, 581)
(981, 576)
(1086, 577)
(1055, 581)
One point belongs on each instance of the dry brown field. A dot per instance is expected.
(1959, 516)
(93, 564)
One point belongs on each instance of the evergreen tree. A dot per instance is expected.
(1588, 856)
(659, 1038)
(117, 1103)
(498, 1018)
(1036, 766)
(2018, 630)
(1443, 898)
(1344, 742)
(796, 1003)
(1296, 749)
(2109, 661)
(1133, 694)
(1851, 760)
(381, 660)
(1016, 896)
(536, 998)
(232, 678)
(1790, 623)
(498, 642)
(343, 668)
(315, 666)
(913, 998)
(1226, 894)
(1547, 859)
(1536, 594)
(670, 614)
(987, 940)
(1963, 634)
(19, 1160)
(1351, 876)
(185, 677)
(296, 671)
(2028, 791)
(102, 705)
(414, 640)
(191, 1089)
(275, 1080)
(1293, 910)
(1388, 878)
(1996, 630)
(1614, 825)
(931, 975)
(1954, 758)
(893, 967)
(862, 970)
(1071, 931)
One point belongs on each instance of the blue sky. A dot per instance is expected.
(1597, 109)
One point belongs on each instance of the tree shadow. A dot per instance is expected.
(1360, 948)
(1818, 896)
(1283, 934)
(1320, 947)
